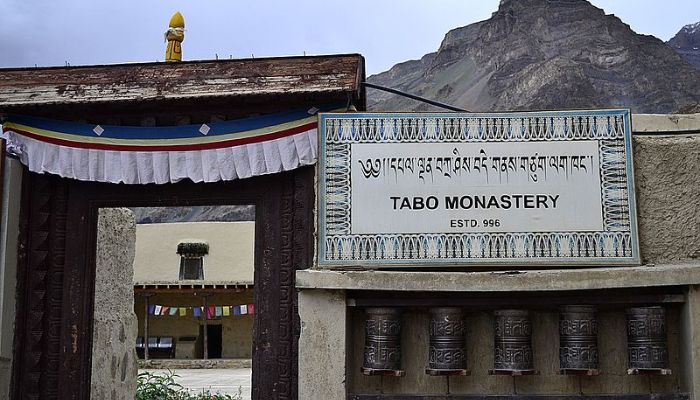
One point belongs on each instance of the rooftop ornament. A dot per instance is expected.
(192, 249)
(174, 36)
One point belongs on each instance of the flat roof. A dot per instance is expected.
(180, 80)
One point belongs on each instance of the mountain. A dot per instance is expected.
(154, 215)
(687, 43)
(544, 55)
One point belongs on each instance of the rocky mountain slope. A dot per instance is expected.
(544, 54)
(154, 215)
(687, 43)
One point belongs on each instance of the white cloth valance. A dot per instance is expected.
(140, 155)
(140, 167)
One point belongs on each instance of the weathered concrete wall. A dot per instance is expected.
(322, 345)
(642, 123)
(667, 170)
(237, 335)
(114, 328)
(5, 378)
(690, 340)
(673, 274)
(611, 341)
(9, 227)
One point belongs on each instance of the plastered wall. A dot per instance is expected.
(230, 257)
(667, 170)
(237, 334)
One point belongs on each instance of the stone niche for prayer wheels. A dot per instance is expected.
(647, 348)
(382, 351)
(578, 340)
(447, 354)
(512, 343)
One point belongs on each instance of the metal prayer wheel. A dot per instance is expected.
(382, 352)
(646, 338)
(447, 352)
(578, 338)
(512, 341)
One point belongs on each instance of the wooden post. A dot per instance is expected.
(146, 297)
(205, 349)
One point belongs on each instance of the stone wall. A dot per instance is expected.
(114, 328)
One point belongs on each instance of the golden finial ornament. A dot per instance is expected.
(174, 36)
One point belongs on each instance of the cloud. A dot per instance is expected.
(385, 32)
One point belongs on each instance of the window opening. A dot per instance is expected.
(192, 259)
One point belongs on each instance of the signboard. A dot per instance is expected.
(546, 188)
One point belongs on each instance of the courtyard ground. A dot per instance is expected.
(224, 381)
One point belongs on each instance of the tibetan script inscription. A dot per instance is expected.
(382, 351)
(447, 349)
(512, 341)
(578, 338)
(647, 347)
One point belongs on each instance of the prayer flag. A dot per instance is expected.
(251, 309)
(227, 311)
(244, 309)
(151, 309)
(156, 311)
(183, 311)
(236, 310)
(164, 310)
(211, 311)
(218, 311)
(173, 310)
(197, 311)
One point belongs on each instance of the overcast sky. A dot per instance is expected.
(41, 32)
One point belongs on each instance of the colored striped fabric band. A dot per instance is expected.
(170, 138)
(208, 152)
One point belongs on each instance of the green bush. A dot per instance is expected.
(151, 386)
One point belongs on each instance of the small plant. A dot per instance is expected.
(150, 386)
(206, 395)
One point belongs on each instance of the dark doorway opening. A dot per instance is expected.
(214, 339)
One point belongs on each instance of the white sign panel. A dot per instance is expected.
(479, 187)
(465, 189)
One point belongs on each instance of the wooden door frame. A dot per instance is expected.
(56, 274)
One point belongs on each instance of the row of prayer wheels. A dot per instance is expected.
(647, 347)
